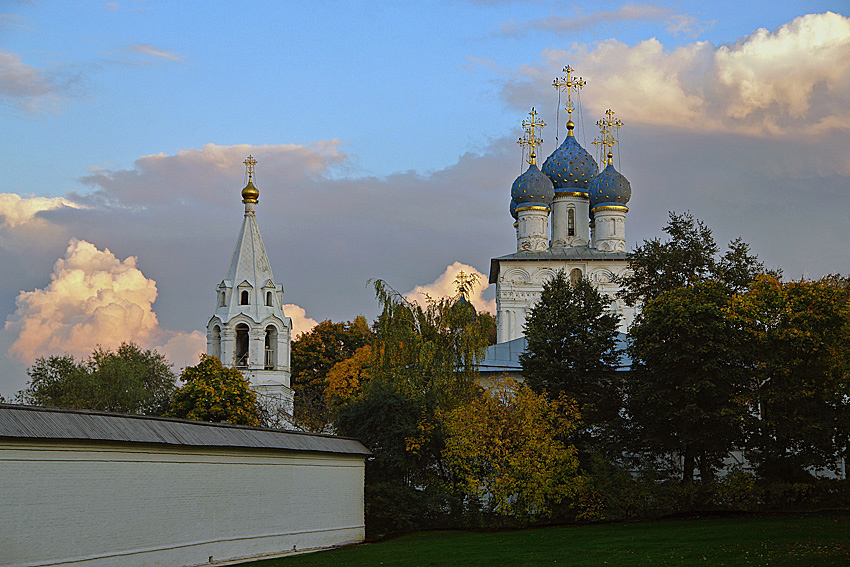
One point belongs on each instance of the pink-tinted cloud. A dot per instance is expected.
(444, 286)
(300, 322)
(793, 80)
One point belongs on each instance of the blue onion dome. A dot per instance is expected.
(513, 209)
(570, 167)
(532, 188)
(610, 188)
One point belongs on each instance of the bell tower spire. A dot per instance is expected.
(249, 329)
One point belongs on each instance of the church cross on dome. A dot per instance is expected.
(531, 125)
(609, 127)
(250, 162)
(569, 85)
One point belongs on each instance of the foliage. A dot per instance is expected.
(507, 451)
(800, 332)
(687, 393)
(213, 392)
(347, 377)
(572, 347)
(429, 351)
(314, 354)
(127, 380)
(688, 257)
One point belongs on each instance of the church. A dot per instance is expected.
(568, 215)
(249, 330)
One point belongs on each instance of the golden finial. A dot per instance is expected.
(250, 194)
(531, 139)
(569, 84)
(609, 128)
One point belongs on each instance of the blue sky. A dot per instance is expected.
(385, 134)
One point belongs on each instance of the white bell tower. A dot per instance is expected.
(249, 330)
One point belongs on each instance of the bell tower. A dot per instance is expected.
(249, 330)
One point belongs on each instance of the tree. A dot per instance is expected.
(688, 391)
(127, 380)
(213, 392)
(572, 347)
(431, 350)
(688, 257)
(506, 449)
(314, 354)
(800, 334)
(346, 378)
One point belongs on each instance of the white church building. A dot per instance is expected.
(249, 330)
(568, 216)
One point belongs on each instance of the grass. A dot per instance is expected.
(817, 539)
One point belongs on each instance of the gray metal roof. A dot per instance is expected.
(556, 254)
(31, 422)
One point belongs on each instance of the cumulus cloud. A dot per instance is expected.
(300, 322)
(444, 286)
(25, 86)
(676, 23)
(795, 79)
(93, 299)
(16, 210)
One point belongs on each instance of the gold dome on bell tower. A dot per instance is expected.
(250, 194)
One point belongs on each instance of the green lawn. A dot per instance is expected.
(801, 540)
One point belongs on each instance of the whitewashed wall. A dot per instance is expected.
(121, 504)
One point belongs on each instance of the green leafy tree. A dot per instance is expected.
(687, 258)
(800, 334)
(572, 347)
(507, 451)
(126, 380)
(314, 354)
(431, 350)
(213, 392)
(688, 391)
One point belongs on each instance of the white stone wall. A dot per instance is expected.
(102, 505)
(520, 285)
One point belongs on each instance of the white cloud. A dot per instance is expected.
(95, 299)
(17, 211)
(300, 322)
(444, 286)
(793, 80)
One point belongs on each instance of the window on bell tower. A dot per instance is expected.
(571, 222)
(268, 298)
(243, 300)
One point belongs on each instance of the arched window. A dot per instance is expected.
(244, 298)
(241, 354)
(271, 347)
(215, 339)
(221, 299)
(571, 222)
(575, 276)
(269, 298)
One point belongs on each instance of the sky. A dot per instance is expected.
(385, 135)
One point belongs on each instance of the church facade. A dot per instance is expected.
(568, 216)
(249, 330)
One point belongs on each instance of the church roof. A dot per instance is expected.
(31, 422)
(556, 254)
(250, 262)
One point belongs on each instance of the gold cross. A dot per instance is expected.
(609, 129)
(569, 84)
(250, 162)
(531, 125)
